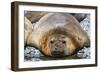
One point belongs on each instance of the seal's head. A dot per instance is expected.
(59, 43)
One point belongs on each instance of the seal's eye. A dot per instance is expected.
(51, 42)
(63, 42)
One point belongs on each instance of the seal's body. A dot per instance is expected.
(58, 35)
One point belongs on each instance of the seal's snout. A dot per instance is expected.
(57, 50)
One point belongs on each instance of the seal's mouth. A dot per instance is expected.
(57, 53)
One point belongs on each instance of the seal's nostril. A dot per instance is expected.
(56, 49)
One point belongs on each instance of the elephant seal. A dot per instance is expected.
(57, 35)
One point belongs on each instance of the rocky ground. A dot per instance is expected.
(85, 53)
